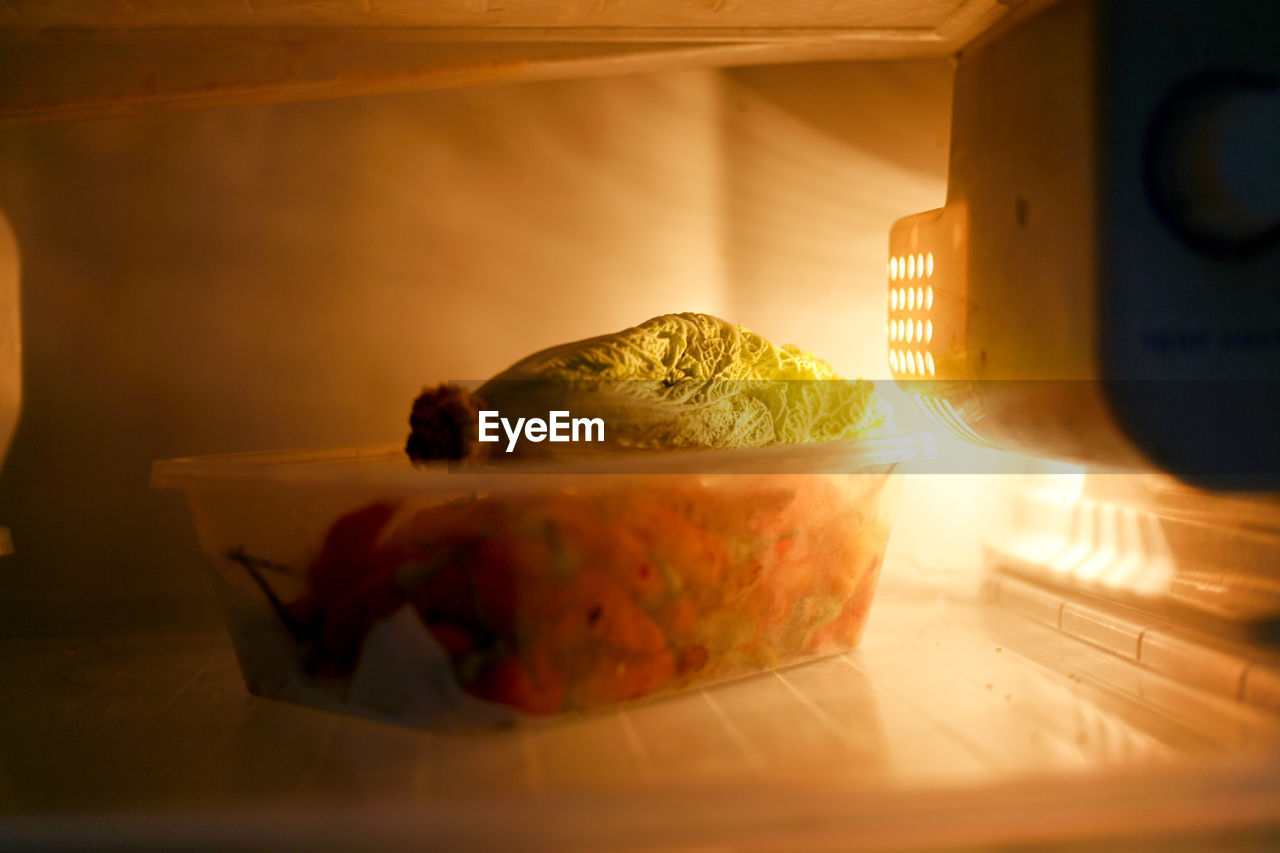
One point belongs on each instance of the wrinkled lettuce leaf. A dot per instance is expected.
(690, 381)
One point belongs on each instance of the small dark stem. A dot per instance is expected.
(254, 565)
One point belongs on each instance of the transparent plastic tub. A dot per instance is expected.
(440, 596)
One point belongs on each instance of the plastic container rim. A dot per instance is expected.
(386, 465)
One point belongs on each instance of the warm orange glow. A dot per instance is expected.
(928, 298)
(928, 266)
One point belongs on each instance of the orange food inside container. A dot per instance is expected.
(545, 593)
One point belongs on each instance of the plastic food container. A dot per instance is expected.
(440, 596)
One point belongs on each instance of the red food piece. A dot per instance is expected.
(352, 584)
(692, 658)
(509, 682)
(603, 675)
(646, 674)
(347, 551)
(444, 595)
(615, 619)
(446, 527)
(592, 608)
(508, 579)
(603, 645)
(680, 618)
(496, 598)
(456, 640)
(348, 619)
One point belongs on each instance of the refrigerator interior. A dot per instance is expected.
(289, 275)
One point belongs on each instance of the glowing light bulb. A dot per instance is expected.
(928, 331)
(928, 265)
(928, 298)
(919, 331)
(911, 299)
(893, 360)
(928, 363)
(920, 364)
